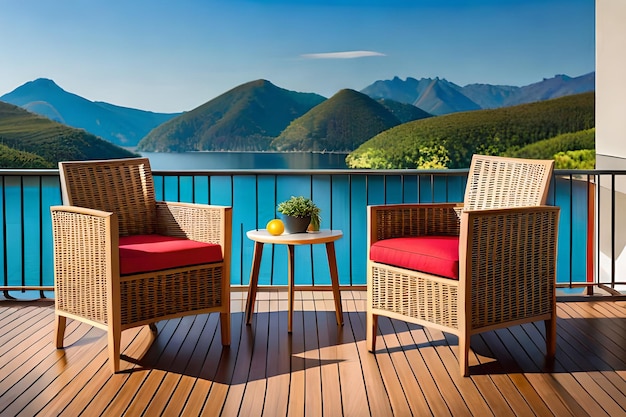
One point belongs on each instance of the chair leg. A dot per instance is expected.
(551, 337)
(464, 346)
(372, 328)
(60, 330)
(225, 328)
(115, 340)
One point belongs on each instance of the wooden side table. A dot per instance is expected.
(262, 236)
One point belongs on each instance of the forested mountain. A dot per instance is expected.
(439, 96)
(31, 141)
(340, 123)
(119, 125)
(449, 141)
(246, 118)
(404, 112)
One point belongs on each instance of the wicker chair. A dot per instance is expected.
(123, 259)
(466, 268)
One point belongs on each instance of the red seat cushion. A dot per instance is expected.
(437, 255)
(144, 253)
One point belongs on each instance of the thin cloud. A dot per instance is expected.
(342, 55)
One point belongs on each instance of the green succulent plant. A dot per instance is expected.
(301, 207)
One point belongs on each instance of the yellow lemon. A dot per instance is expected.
(275, 227)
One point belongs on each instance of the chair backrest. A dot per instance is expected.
(497, 182)
(121, 186)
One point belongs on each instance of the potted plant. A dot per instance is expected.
(298, 213)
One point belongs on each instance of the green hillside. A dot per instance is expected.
(449, 141)
(246, 118)
(12, 158)
(403, 111)
(547, 148)
(341, 123)
(31, 141)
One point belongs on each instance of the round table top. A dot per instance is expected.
(307, 238)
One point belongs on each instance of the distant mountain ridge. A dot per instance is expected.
(122, 126)
(439, 96)
(254, 115)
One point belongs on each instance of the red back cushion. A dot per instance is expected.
(144, 253)
(437, 255)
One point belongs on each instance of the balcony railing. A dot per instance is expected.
(588, 250)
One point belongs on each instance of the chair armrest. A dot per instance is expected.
(86, 257)
(200, 222)
(400, 220)
(507, 262)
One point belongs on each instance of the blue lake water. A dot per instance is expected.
(245, 160)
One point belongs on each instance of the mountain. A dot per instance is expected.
(439, 96)
(251, 116)
(489, 96)
(246, 118)
(449, 141)
(558, 86)
(28, 140)
(340, 123)
(119, 125)
(435, 96)
(404, 112)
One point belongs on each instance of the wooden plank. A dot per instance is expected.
(502, 382)
(99, 396)
(27, 383)
(231, 371)
(179, 397)
(428, 349)
(189, 360)
(327, 331)
(278, 358)
(85, 376)
(485, 386)
(256, 381)
(598, 395)
(521, 383)
(472, 397)
(295, 406)
(17, 321)
(388, 354)
(360, 375)
(159, 384)
(35, 341)
(311, 354)
(427, 384)
(19, 372)
(593, 332)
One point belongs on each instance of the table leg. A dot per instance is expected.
(291, 263)
(254, 280)
(334, 279)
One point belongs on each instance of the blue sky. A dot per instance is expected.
(170, 56)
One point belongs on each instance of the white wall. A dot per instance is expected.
(611, 84)
(611, 130)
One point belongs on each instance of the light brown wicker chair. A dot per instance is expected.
(506, 261)
(109, 201)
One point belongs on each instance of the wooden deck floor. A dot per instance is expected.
(319, 370)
